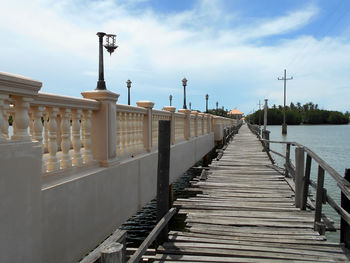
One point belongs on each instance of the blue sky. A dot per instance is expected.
(233, 50)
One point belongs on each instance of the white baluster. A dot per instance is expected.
(52, 162)
(31, 124)
(122, 133)
(142, 145)
(77, 159)
(138, 132)
(126, 133)
(87, 155)
(58, 135)
(46, 132)
(22, 119)
(118, 141)
(129, 142)
(65, 161)
(3, 118)
(37, 113)
(134, 132)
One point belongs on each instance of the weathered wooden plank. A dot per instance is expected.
(281, 239)
(218, 240)
(152, 236)
(252, 248)
(198, 258)
(247, 253)
(244, 212)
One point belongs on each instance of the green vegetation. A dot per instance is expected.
(220, 112)
(296, 114)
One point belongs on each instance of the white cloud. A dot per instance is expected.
(156, 51)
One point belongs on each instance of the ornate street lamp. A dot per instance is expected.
(110, 46)
(206, 104)
(170, 99)
(184, 83)
(217, 105)
(128, 85)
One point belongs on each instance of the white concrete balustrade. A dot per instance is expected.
(86, 165)
(62, 125)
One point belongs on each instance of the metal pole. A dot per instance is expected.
(184, 83)
(217, 105)
(284, 127)
(101, 85)
(170, 98)
(206, 104)
(128, 96)
(128, 85)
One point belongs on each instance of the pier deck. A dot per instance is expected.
(246, 213)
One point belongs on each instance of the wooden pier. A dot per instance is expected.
(246, 213)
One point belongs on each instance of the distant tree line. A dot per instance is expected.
(296, 114)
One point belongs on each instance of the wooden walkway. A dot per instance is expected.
(246, 213)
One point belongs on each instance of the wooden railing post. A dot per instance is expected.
(344, 226)
(318, 226)
(299, 176)
(163, 176)
(306, 182)
(266, 136)
(113, 253)
(287, 164)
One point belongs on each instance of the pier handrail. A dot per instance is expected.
(342, 183)
(302, 180)
(301, 176)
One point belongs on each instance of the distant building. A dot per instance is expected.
(236, 114)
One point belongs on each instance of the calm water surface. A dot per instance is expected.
(330, 142)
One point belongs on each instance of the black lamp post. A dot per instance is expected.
(128, 85)
(184, 83)
(110, 46)
(217, 105)
(170, 99)
(206, 103)
(190, 105)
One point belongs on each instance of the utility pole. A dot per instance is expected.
(265, 114)
(284, 125)
(259, 114)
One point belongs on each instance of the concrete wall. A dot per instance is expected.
(78, 214)
(20, 199)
